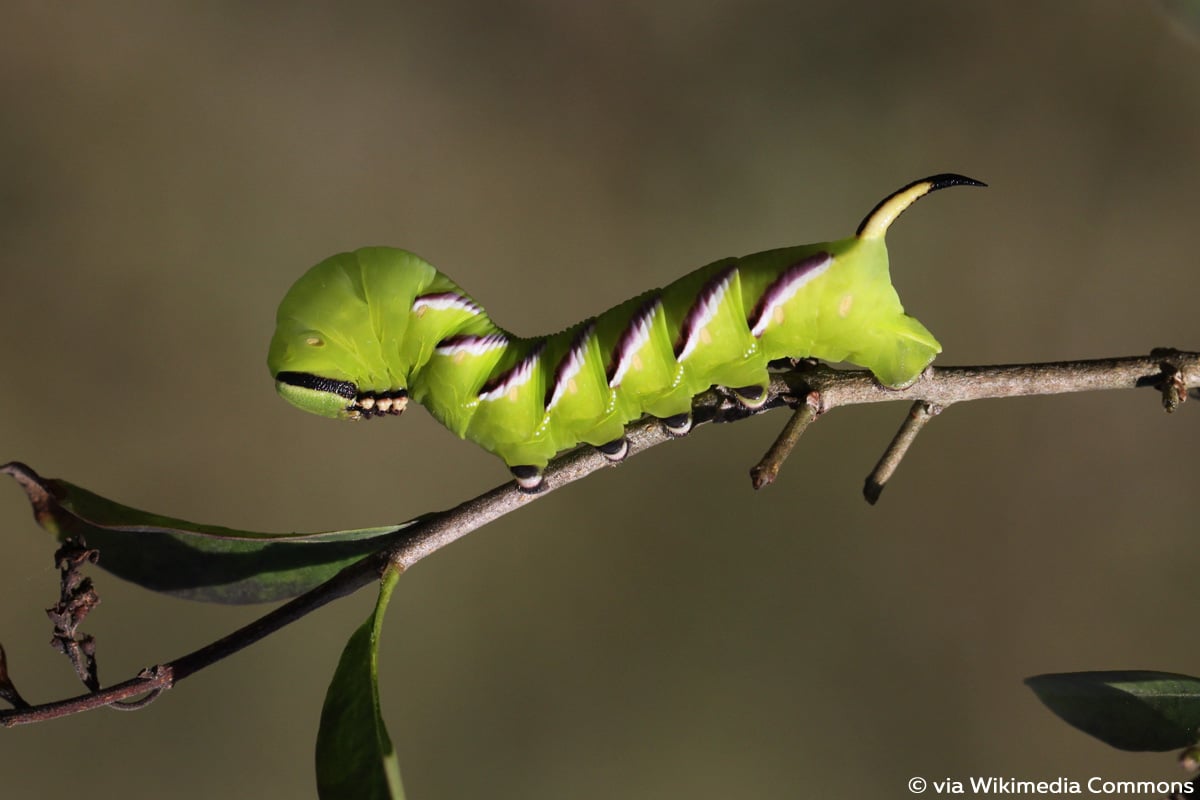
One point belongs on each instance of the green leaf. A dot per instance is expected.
(1130, 710)
(355, 758)
(191, 560)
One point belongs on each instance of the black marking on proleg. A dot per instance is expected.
(514, 377)
(751, 397)
(529, 479)
(446, 301)
(784, 288)
(789, 363)
(569, 365)
(703, 309)
(678, 425)
(304, 380)
(632, 339)
(616, 450)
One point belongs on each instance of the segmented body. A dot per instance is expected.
(362, 330)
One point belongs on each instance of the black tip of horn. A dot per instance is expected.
(948, 179)
(890, 207)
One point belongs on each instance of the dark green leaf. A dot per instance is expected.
(1130, 710)
(355, 758)
(186, 559)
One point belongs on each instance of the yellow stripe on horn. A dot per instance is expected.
(884, 214)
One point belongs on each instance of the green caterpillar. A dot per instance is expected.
(361, 333)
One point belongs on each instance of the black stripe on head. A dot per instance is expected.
(305, 380)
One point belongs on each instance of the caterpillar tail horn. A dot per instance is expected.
(875, 225)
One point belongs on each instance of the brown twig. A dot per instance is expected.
(765, 471)
(164, 676)
(920, 413)
(8, 690)
(1165, 370)
(77, 598)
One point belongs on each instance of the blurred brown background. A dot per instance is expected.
(658, 630)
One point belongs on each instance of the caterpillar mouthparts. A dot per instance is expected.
(378, 404)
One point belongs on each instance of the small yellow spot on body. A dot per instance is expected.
(705, 336)
(422, 311)
(314, 341)
(637, 362)
(844, 306)
(572, 386)
(512, 395)
(460, 357)
(778, 315)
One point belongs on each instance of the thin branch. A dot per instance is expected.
(1169, 371)
(8, 692)
(164, 676)
(77, 598)
(765, 471)
(944, 386)
(920, 413)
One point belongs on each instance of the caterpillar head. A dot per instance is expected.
(310, 373)
(338, 345)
